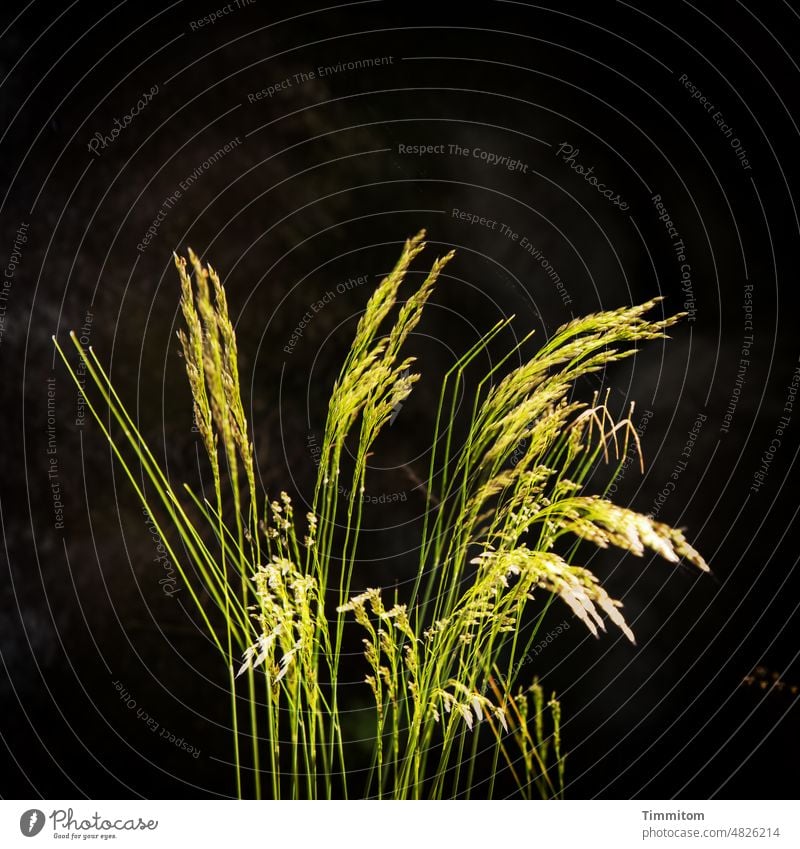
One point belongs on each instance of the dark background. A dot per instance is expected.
(317, 192)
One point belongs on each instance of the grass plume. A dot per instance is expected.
(505, 509)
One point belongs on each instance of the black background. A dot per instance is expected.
(317, 192)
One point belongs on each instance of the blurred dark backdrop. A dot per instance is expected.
(291, 185)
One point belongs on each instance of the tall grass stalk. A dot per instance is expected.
(505, 508)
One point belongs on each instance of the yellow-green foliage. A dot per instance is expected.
(442, 664)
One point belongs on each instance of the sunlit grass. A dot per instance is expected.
(442, 664)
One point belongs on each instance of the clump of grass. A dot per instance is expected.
(442, 665)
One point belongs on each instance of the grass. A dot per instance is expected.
(506, 506)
